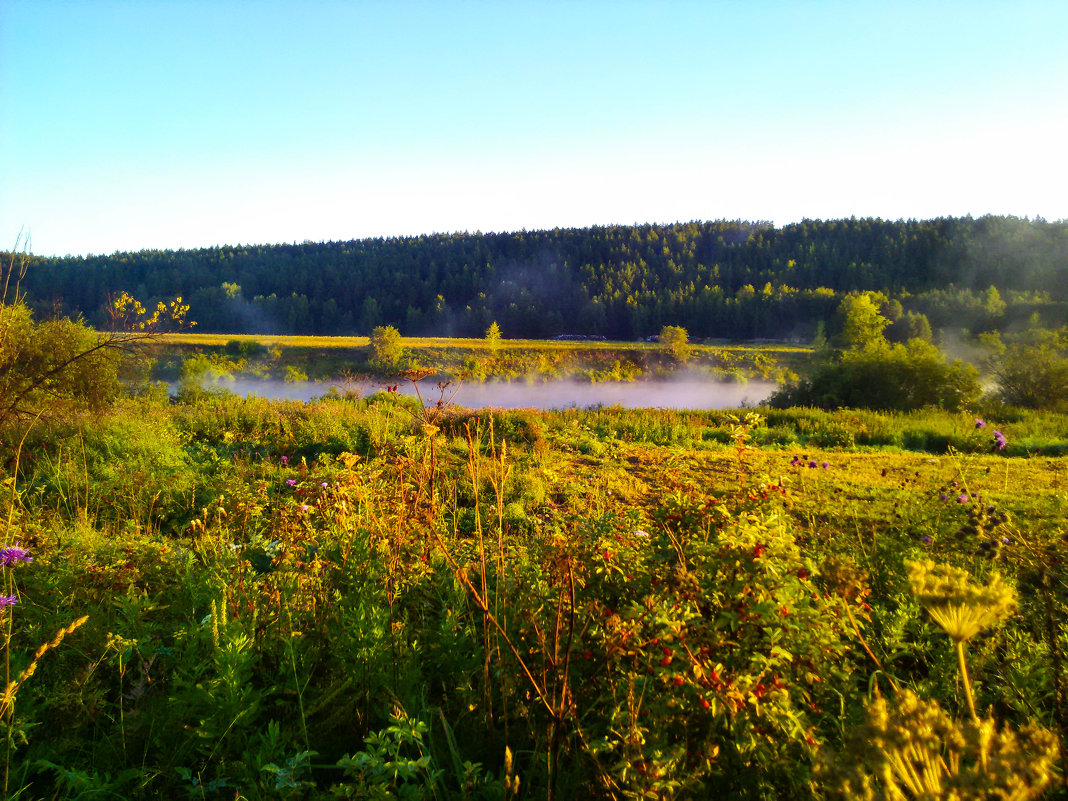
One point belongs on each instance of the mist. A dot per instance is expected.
(688, 392)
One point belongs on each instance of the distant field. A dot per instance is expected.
(290, 341)
(293, 358)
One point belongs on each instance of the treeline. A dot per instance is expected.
(735, 280)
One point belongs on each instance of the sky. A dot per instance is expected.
(151, 124)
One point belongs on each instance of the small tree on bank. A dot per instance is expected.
(386, 347)
(676, 341)
(493, 337)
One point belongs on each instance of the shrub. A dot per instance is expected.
(675, 340)
(1034, 373)
(881, 375)
(386, 347)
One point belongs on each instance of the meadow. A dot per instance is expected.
(220, 597)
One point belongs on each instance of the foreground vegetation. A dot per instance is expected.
(371, 599)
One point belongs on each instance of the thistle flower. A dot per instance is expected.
(812, 463)
(961, 608)
(963, 498)
(979, 423)
(8, 600)
(11, 555)
(825, 465)
(1000, 442)
(291, 482)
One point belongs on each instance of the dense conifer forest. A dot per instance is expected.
(737, 280)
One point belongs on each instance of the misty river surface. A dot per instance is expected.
(679, 393)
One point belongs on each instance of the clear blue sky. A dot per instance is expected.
(148, 124)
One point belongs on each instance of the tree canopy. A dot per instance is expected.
(730, 279)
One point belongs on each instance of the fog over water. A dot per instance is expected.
(679, 393)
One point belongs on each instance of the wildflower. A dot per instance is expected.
(961, 608)
(926, 540)
(999, 441)
(812, 463)
(304, 507)
(285, 460)
(325, 484)
(13, 554)
(916, 750)
(963, 498)
(825, 465)
(8, 600)
(291, 482)
(943, 497)
(979, 423)
(794, 461)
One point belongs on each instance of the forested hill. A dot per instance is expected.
(717, 279)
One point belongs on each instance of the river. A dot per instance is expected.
(678, 393)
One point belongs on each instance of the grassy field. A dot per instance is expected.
(325, 358)
(289, 341)
(238, 598)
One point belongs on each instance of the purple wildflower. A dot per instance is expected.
(304, 507)
(324, 484)
(825, 465)
(794, 461)
(926, 540)
(979, 423)
(292, 482)
(285, 460)
(13, 554)
(999, 441)
(8, 600)
(943, 497)
(963, 498)
(812, 463)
